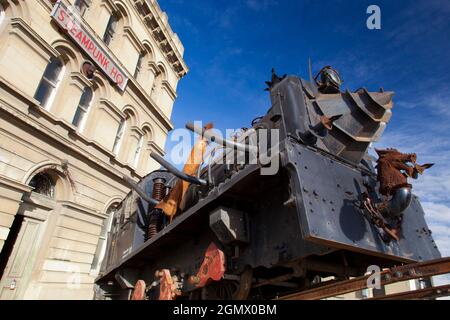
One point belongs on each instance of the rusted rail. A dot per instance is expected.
(426, 293)
(395, 274)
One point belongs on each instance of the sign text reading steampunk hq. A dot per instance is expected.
(74, 27)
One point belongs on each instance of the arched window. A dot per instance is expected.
(110, 29)
(138, 151)
(102, 241)
(43, 183)
(119, 137)
(46, 90)
(82, 6)
(139, 65)
(79, 119)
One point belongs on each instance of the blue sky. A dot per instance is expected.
(230, 47)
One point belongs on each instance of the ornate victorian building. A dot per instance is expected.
(86, 92)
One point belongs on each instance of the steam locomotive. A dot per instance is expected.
(227, 230)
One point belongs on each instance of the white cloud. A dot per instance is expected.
(438, 213)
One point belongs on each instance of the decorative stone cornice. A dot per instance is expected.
(154, 147)
(20, 28)
(131, 35)
(169, 89)
(157, 24)
(136, 132)
(4, 180)
(40, 201)
(109, 4)
(80, 80)
(155, 111)
(78, 207)
(112, 107)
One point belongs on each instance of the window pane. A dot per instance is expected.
(113, 24)
(83, 106)
(118, 136)
(43, 92)
(110, 30)
(139, 65)
(44, 184)
(53, 69)
(49, 81)
(138, 152)
(86, 97)
(78, 117)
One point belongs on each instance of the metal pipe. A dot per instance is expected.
(219, 139)
(180, 174)
(133, 185)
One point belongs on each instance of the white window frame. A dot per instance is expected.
(2, 14)
(119, 137)
(137, 154)
(54, 86)
(103, 241)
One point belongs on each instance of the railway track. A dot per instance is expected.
(388, 276)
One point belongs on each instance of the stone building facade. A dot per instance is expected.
(86, 92)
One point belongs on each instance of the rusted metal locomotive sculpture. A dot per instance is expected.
(227, 231)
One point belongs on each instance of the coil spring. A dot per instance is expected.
(159, 191)
(153, 224)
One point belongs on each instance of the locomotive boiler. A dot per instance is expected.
(305, 202)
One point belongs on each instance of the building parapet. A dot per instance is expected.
(158, 23)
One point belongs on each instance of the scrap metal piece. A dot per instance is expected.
(174, 201)
(274, 80)
(139, 290)
(390, 167)
(212, 268)
(399, 202)
(179, 174)
(419, 169)
(393, 170)
(325, 125)
(168, 289)
(378, 220)
(155, 220)
(133, 185)
(229, 225)
(328, 80)
(245, 284)
(220, 140)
